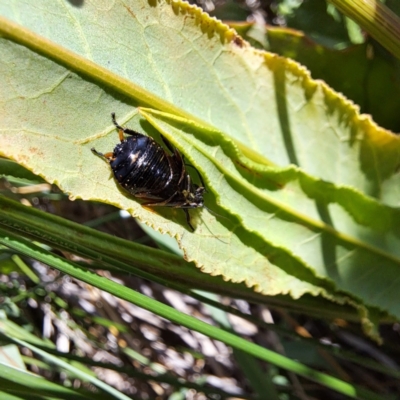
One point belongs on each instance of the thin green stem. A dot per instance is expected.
(377, 19)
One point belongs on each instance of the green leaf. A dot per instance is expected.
(10, 169)
(10, 355)
(23, 383)
(281, 209)
(308, 186)
(363, 73)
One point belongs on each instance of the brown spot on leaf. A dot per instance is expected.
(36, 151)
(33, 150)
(247, 168)
(130, 12)
(238, 41)
(258, 175)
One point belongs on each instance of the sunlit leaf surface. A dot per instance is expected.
(306, 189)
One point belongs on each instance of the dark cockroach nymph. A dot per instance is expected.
(145, 170)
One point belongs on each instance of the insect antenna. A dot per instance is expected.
(216, 237)
(214, 213)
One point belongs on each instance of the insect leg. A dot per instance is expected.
(121, 130)
(188, 184)
(118, 126)
(106, 156)
(198, 174)
(164, 203)
(188, 218)
(187, 165)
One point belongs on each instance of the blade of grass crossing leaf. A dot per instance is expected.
(68, 267)
(61, 233)
(257, 377)
(77, 372)
(7, 330)
(25, 269)
(28, 396)
(197, 295)
(7, 396)
(23, 382)
(14, 331)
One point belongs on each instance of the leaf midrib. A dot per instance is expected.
(305, 220)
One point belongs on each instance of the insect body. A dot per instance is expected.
(144, 169)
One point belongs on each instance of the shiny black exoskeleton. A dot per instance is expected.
(144, 169)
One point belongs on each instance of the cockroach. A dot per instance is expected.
(147, 171)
